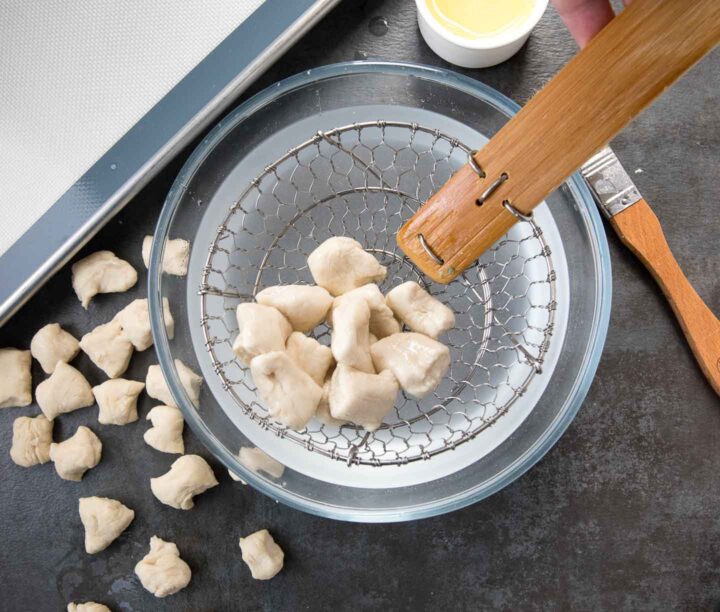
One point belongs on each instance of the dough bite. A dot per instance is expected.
(340, 264)
(350, 342)
(162, 571)
(101, 272)
(256, 460)
(166, 432)
(104, 520)
(157, 388)
(262, 329)
(262, 555)
(323, 409)
(175, 257)
(32, 437)
(108, 348)
(362, 398)
(304, 306)
(290, 394)
(77, 454)
(15, 378)
(311, 356)
(382, 320)
(52, 344)
(88, 606)
(66, 390)
(134, 321)
(420, 311)
(189, 475)
(419, 363)
(117, 400)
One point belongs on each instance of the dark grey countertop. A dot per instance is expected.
(621, 515)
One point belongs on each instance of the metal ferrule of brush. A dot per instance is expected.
(609, 182)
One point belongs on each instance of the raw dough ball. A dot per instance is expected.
(157, 388)
(101, 272)
(66, 390)
(175, 257)
(420, 311)
(162, 571)
(52, 344)
(290, 394)
(418, 362)
(166, 433)
(32, 437)
(189, 475)
(108, 348)
(314, 358)
(262, 329)
(117, 400)
(382, 320)
(323, 409)
(88, 606)
(134, 320)
(104, 520)
(304, 306)
(77, 454)
(262, 555)
(257, 461)
(340, 264)
(350, 342)
(15, 378)
(362, 398)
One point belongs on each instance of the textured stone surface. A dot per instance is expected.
(621, 515)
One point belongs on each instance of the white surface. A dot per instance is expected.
(76, 75)
(478, 53)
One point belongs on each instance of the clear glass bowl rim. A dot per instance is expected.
(532, 455)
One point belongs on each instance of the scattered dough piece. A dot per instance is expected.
(175, 257)
(362, 398)
(66, 390)
(350, 342)
(291, 395)
(15, 378)
(323, 409)
(166, 433)
(382, 320)
(32, 437)
(108, 348)
(104, 520)
(189, 475)
(134, 320)
(340, 264)
(420, 311)
(52, 344)
(162, 571)
(418, 362)
(77, 454)
(117, 400)
(262, 555)
(101, 272)
(157, 388)
(88, 606)
(314, 358)
(262, 329)
(305, 306)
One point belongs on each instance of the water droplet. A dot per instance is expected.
(113, 166)
(378, 26)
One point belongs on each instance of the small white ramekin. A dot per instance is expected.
(479, 53)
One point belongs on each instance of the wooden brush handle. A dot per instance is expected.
(640, 230)
(638, 55)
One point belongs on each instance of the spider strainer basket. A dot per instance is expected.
(354, 150)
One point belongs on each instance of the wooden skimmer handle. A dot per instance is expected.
(640, 230)
(638, 55)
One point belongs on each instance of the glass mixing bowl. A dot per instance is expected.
(353, 149)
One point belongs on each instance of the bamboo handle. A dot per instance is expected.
(638, 55)
(640, 231)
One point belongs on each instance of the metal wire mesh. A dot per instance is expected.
(365, 180)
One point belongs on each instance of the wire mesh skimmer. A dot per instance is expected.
(365, 180)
